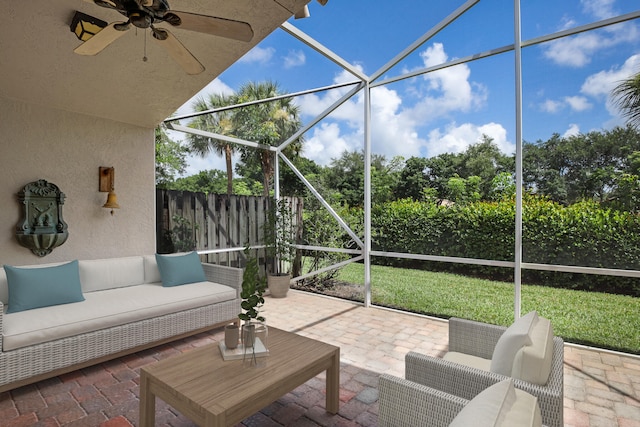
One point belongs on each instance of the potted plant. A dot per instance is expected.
(251, 294)
(279, 236)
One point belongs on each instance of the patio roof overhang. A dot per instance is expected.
(38, 65)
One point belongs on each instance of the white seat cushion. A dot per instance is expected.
(107, 308)
(500, 405)
(468, 360)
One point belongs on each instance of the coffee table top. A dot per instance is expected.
(214, 385)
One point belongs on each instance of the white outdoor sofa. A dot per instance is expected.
(125, 308)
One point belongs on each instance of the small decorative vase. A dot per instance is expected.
(231, 336)
(248, 335)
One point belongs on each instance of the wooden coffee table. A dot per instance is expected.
(214, 392)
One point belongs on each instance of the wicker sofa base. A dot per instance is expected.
(31, 364)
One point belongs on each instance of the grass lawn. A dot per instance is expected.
(596, 319)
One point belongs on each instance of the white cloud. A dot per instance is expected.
(551, 106)
(456, 139)
(449, 90)
(601, 9)
(573, 130)
(295, 58)
(575, 103)
(576, 51)
(600, 85)
(578, 103)
(394, 125)
(196, 164)
(258, 55)
(325, 144)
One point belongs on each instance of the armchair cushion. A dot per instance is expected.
(500, 405)
(514, 338)
(532, 362)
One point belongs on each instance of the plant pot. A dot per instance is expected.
(278, 285)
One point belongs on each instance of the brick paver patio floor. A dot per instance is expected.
(601, 388)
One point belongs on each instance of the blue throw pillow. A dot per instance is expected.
(42, 287)
(178, 270)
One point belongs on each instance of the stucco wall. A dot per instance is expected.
(67, 149)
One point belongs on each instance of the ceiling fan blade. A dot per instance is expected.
(177, 51)
(102, 39)
(220, 27)
(104, 3)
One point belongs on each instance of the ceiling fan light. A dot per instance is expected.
(85, 26)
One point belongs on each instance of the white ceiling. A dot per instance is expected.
(38, 66)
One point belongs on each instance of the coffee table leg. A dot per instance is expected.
(333, 384)
(147, 403)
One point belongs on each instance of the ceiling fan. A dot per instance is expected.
(146, 13)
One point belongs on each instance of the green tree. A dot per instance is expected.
(170, 157)
(627, 99)
(346, 175)
(431, 177)
(412, 179)
(581, 167)
(221, 123)
(485, 160)
(503, 187)
(626, 196)
(267, 123)
(214, 181)
(461, 190)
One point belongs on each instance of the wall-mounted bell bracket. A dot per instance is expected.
(107, 178)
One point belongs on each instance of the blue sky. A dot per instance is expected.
(565, 82)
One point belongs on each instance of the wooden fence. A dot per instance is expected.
(196, 221)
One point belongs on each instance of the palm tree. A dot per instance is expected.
(220, 123)
(268, 123)
(627, 98)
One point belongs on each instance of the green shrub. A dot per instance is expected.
(583, 234)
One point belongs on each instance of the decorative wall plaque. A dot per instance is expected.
(42, 228)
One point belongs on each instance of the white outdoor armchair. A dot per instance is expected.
(404, 403)
(473, 343)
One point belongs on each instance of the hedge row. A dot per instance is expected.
(583, 234)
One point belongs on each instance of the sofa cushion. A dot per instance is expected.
(35, 287)
(500, 405)
(107, 273)
(532, 362)
(151, 272)
(108, 308)
(180, 270)
(510, 342)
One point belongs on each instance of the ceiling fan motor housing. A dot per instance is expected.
(141, 19)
